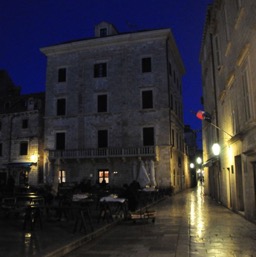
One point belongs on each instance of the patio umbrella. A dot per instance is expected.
(152, 173)
(143, 177)
(134, 171)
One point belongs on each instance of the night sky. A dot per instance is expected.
(28, 25)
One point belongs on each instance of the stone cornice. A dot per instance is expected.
(80, 45)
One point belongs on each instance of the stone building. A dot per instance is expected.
(228, 58)
(114, 109)
(21, 134)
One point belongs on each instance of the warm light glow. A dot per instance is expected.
(192, 165)
(34, 158)
(216, 149)
(199, 160)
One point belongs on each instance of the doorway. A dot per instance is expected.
(239, 183)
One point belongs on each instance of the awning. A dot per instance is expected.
(210, 162)
(18, 164)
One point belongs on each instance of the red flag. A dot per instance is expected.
(200, 115)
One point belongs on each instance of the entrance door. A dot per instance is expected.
(239, 183)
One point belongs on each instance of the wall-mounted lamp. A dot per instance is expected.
(216, 149)
(34, 158)
(198, 160)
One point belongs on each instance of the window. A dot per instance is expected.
(62, 75)
(60, 140)
(148, 136)
(61, 106)
(103, 175)
(245, 97)
(147, 99)
(1, 149)
(102, 138)
(62, 176)
(146, 64)
(25, 123)
(170, 68)
(238, 4)
(217, 46)
(103, 32)
(102, 103)
(24, 148)
(100, 70)
(226, 22)
(173, 138)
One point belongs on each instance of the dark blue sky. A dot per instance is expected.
(28, 25)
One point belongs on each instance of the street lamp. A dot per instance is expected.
(34, 158)
(198, 160)
(216, 149)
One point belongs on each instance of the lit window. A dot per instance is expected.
(103, 175)
(62, 176)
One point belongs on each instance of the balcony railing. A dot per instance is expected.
(148, 151)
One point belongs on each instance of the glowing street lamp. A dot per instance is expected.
(216, 149)
(34, 158)
(198, 160)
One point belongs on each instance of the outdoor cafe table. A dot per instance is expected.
(29, 204)
(81, 207)
(111, 206)
(148, 195)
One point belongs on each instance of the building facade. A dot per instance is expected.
(228, 57)
(21, 134)
(114, 109)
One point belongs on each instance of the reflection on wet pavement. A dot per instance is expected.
(216, 231)
(189, 224)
